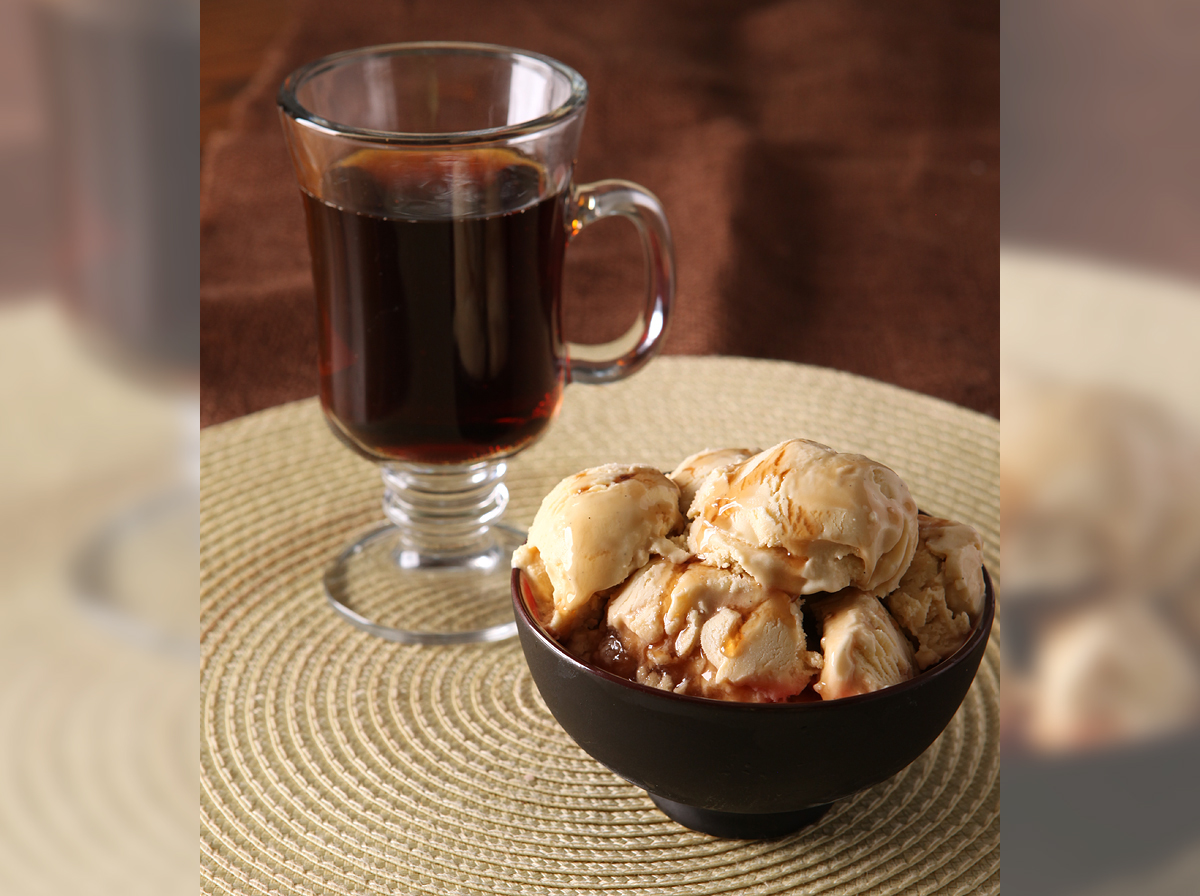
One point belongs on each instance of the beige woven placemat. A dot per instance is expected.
(98, 734)
(333, 762)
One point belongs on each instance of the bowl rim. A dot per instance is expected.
(981, 633)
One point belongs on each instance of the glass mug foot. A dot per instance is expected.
(136, 575)
(438, 571)
(384, 589)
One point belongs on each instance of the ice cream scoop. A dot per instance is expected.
(592, 530)
(700, 630)
(864, 648)
(1110, 672)
(804, 518)
(1101, 489)
(693, 470)
(940, 596)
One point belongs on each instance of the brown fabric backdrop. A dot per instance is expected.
(830, 170)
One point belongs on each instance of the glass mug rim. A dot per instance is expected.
(290, 104)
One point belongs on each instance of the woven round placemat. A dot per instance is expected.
(332, 762)
(98, 730)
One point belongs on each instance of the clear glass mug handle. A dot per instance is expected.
(610, 361)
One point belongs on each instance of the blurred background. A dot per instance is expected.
(830, 171)
(99, 475)
(835, 168)
(1100, 460)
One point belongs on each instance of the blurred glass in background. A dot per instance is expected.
(99, 336)
(1100, 452)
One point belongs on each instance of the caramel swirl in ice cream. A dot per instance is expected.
(710, 632)
(694, 470)
(593, 530)
(804, 518)
(786, 547)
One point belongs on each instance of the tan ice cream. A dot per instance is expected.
(1108, 673)
(592, 530)
(796, 528)
(940, 597)
(700, 630)
(804, 518)
(864, 648)
(692, 471)
(1100, 490)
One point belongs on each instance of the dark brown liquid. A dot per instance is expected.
(439, 337)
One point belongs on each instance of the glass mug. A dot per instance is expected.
(437, 186)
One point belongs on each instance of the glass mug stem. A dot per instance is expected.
(442, 514)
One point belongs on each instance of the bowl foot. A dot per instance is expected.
(739, 825)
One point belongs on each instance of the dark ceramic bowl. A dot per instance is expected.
(746, 770)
